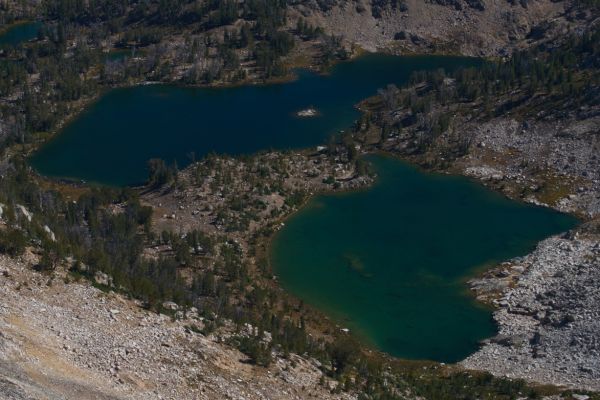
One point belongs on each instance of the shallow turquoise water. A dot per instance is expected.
(391, 262)
(111, 142)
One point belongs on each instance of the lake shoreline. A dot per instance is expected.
(83, 108)
(148, 111)
(302, 271)
(84, 104)
(363, 152)
(7, 27)
(264, 244)
(505, 154)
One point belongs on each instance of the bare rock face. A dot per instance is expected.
(549, 319)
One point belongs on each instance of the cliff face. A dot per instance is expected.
(469, 27)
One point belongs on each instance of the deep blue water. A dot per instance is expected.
(112, 141)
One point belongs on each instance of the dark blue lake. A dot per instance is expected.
(112, 141)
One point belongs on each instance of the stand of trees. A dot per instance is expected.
(543, 82)
(566, 72)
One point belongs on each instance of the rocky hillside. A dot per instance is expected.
(61, 339)
(469, 27)
(548, 313)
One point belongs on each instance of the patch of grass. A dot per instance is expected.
(553, 189)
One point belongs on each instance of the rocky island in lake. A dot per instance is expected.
(307, 113)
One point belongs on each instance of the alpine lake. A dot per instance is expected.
(389, 262)
(19, 33)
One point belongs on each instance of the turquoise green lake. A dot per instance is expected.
(19, 33)
(391, 262)
(112, 141)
